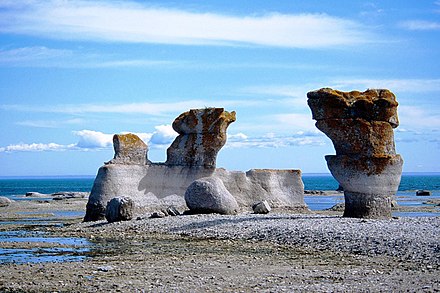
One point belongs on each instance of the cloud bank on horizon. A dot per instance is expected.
(72, 73)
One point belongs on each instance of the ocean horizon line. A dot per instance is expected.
(93, 176)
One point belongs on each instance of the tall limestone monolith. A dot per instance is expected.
(360, 125)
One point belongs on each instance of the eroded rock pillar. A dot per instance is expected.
(202, 133)
(360, 125)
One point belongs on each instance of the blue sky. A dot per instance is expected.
(73, 73)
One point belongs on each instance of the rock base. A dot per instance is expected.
(156, 186)
(369, 183)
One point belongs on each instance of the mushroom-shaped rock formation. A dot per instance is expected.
(360, 125)
(129, 149)
(202, 133)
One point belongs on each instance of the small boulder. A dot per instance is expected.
(158, 214)
(423, 192)
(119, 209)
(36, 194)
(4, 201)
(172, 211)
(209, 195)
(261, 207)
(339, 207)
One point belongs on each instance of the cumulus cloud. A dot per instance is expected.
(89, 139)
(163, 136)
(96, 140)
(127, 21)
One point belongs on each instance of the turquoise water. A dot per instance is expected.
(11, 187)
(409, 182)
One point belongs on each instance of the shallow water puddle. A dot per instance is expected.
(25, 247)
(322, 202)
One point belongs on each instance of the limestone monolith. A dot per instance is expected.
(360, 125)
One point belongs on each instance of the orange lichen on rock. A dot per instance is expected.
(371, 105)
(129, 149)
(202, 133)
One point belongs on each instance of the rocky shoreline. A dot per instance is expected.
(280, 251)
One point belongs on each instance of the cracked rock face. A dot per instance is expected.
(129, 149)
(202, 133)
(360, 125)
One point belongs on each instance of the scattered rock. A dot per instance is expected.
(433, 201)
(68, 195)
(209, 195)
(360, 125)
(261, 207)
(119, 209)
(104, 268)
(423, 192)
(202, 133)
(339, 207)
(172, 211)
(4, 201)
(158, 214)
(36, 194)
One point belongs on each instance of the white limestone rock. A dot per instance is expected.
(261, 207)
(4, 201)
(209, 195)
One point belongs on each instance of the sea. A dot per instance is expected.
(16, 187)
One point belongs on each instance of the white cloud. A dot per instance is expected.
(417, 117)
(163, 136)
(89, 139)
(40, 56)
(133, 22)
(50, 123)
(420, 25)
(36, 147)
(273, 140)
(300, 122)
(155, 109)
(28, 54)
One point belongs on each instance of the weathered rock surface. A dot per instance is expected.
(119, 209)
(261, 207)
(209, 195)
(4, 201)
(202, 133)
(155, 186)
(129, 149)
(360, 125)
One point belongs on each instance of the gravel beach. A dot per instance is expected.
(277, 252)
